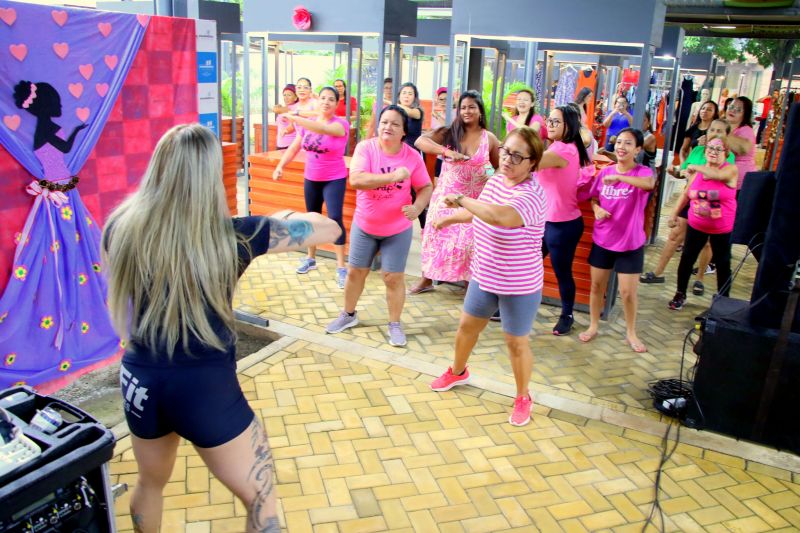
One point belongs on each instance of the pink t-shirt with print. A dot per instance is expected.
(535, 118)
(623, 231)
(712, 205)
(561, 184)
(745, 162)
(509, 260)
(285, 139)
(379, 211)
(325, 153)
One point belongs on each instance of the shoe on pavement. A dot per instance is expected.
(677, 302)
(650, 277)
(521, 414)
(342, 322)
(564, 325)
(307, 264)
(448, 380)
(698, 288)
(396, 335)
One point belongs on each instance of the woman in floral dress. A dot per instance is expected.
(467, 148)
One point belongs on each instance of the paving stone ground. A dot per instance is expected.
(362, 444)
(365, 446)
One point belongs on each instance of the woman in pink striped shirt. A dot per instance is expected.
(508, 220)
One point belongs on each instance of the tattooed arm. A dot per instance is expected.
(292, 231)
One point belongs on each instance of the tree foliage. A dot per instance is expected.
(725, 48)
(773, 51)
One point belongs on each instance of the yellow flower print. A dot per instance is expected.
(96, 267)
(21, 272)
(19, 383)
(18, 237)
(88, 221)
(10, 358)
(82, 279)
(66, 212)
(47, 322)
(122, 343)
(56, 246)
(77, 237)
(3, 317)
(84, 327)
(65, 364)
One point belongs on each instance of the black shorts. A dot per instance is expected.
(202, 403)
(684, 212)
(631, 262)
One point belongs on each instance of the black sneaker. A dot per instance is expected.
(495, 317)
(564, 325)
(676, 304)
(698, 288)
(650, 277)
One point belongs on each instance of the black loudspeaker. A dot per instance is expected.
(753, 209)
(781, 248)
(733, 358)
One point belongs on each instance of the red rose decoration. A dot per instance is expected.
(301, 18)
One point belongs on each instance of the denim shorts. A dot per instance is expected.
(394, 249)
(517, 311)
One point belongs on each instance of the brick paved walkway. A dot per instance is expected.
(362, 445)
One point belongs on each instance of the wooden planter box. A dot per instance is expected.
(226, 130)
(231, 163)
(268, 196)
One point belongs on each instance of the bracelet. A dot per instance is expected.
(287, 215)
(458, 200)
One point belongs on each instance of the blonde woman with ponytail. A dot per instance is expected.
(173, 257)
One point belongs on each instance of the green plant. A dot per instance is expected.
(227, 99)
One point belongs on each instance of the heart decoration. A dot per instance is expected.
(8, 15)
(82, 113)
(60, 17)
(142, 20)
(19, 51)
(86, 70)
(111, 61)
(61, 49)
(105, 28)
(12, 122)
(75, 89)
(101, 88)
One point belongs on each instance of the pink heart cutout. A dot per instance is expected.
(8, 15)
(105, 28)
(111, 61)
(82, 113)
(142, 20)
(60, 17)
(101, 88)
(86, 70)
(12, 122)
(76, 89)
(61, 49)
(19, 51)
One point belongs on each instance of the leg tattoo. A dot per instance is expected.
(263, 474)
(138, 523)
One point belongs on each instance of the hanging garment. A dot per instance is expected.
(688, 95)
(538, 88)
(588, 78)
(60, 92)
(567, 80)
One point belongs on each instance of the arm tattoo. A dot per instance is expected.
(138, 523)
(262, 473)
(296, 231)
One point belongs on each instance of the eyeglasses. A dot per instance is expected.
(553, 122)
(717, 149)
(516, 159)
(302, 86)
(736, 109)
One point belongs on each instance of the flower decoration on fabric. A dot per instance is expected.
(301, 19)
(3, 317)
(82, 279)
(66, 212)
(122, 344)
(47, 322)
(10, 358)
(84, 327)
(65, 364)
(77, 237)
(18, 238)
(56, 246)
(21, 272)
(96, 267)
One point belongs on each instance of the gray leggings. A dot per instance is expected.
(394, 249)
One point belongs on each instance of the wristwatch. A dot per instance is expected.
(458, 199)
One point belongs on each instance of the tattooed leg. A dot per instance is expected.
(261, 516)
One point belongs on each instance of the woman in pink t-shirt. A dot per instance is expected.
(306, 104)
(711, 195)
(286, 131)
(525, 114)
(619, 200)
(508, 218)
(742, 140)
(323, 139)
(558, 175)
(384, 171)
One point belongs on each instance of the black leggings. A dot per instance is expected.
(332, 194)
(561, 241)
(423, 216)
(721, 250)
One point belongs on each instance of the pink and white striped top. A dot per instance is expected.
(509, 260)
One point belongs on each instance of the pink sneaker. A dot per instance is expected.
(448, 380)
(522, 411)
